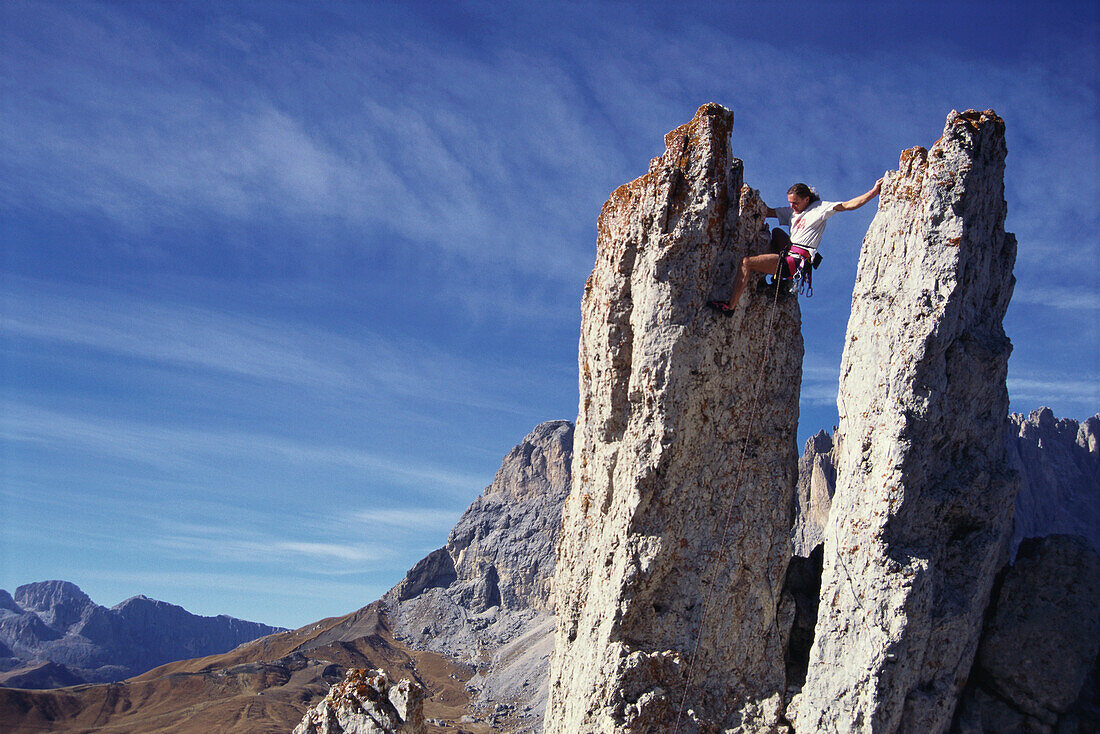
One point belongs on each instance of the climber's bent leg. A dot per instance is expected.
(759, 263)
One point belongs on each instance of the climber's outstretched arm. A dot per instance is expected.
(769, 212)
(856, 203)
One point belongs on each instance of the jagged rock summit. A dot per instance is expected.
(667, 602)
(1059, 464)
(816, 485)
(921, 519)
(484, 598)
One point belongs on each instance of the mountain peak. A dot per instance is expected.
(59, 604)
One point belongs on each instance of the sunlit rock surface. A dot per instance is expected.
(816, 484)
(367, 702)
(921, 519)
(673, 552)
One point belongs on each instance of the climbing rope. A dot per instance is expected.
(729, 511)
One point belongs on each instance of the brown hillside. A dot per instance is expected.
(264, 686)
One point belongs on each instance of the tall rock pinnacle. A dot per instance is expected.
(922, 516)
(673, 552)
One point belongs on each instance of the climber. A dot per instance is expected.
(806, 217)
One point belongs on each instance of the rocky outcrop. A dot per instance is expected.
(814, 496)
(1059, 465)
(1039, 645)
(501, 551)
(435, 570)
(366, 702)
(674, 549)
(503, 546)
(484, 599)
(56, 622)
(921, 519)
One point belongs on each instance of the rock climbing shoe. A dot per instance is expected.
(722, 307)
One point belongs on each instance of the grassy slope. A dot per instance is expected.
(263, 686)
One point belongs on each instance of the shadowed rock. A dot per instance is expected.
(1059, 464)
(1039, 644)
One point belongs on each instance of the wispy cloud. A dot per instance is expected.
(820, 380)
(192, 337)
(1076, 390)
(820, 395)
(182, 449)
(408, 519)
(341, 550)
(157, 136)
(1068, 297)
(230, 547)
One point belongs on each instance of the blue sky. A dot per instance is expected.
(281, 283)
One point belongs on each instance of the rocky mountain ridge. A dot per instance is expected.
(484, 598)
(1058, 460)
(294, 669)
(52, 633)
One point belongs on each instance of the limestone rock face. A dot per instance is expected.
(921, 519)
(1059, 465)
(816, 484)
(673, 553)
(1040, 643)
(503, 545)
(366, 702)
(484, 599)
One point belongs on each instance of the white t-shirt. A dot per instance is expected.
(806, 228)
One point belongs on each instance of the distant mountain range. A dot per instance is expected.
(52, 634)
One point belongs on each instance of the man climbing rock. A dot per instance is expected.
(806, 216)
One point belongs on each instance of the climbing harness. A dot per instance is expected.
(796, 269)
(794, 272)
(729, 511)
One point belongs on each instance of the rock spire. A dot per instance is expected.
(922, 516)
(367, 702)
(672, 559)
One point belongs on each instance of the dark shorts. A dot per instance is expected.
(789, 252)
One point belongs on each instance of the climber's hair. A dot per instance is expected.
(801, 190)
